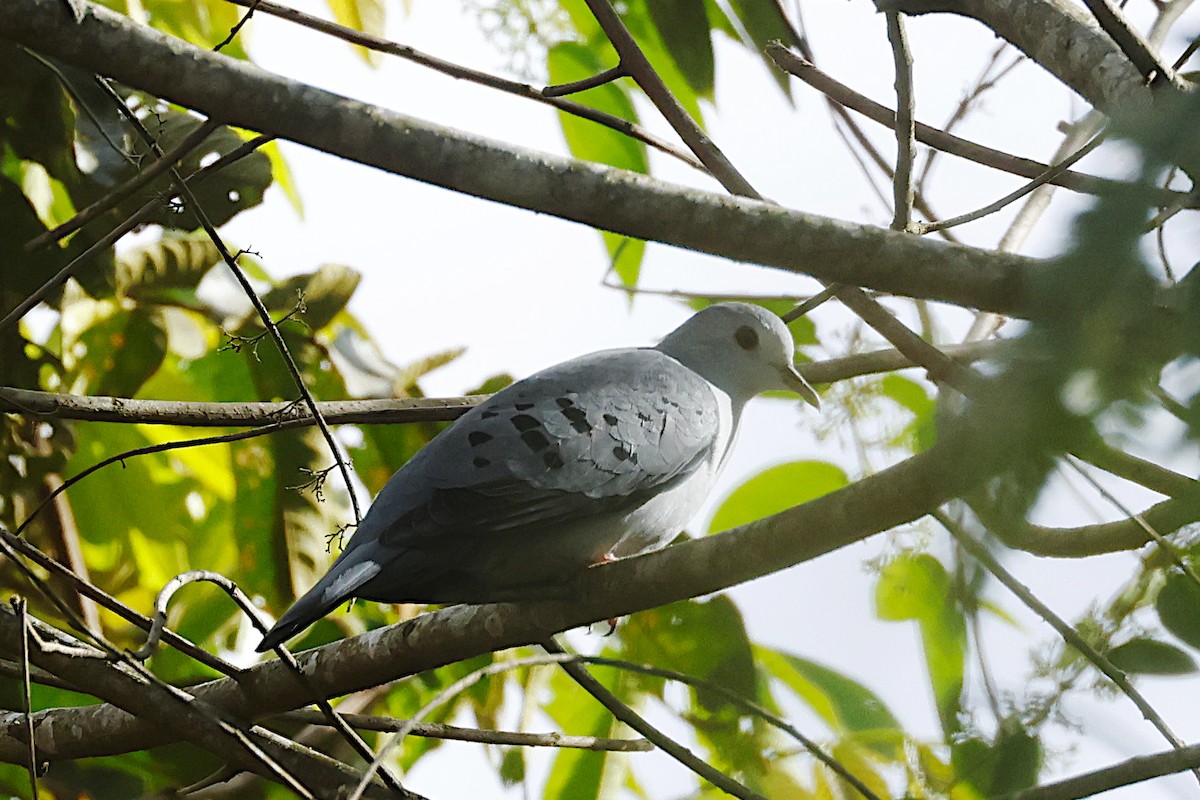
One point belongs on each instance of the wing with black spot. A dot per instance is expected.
(596, 434)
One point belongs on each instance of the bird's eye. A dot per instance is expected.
(746, 337)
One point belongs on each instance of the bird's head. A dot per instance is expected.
(741, 348)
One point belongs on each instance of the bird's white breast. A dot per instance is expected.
(659, 520)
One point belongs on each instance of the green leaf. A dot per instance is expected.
(845, 704)
(204, 23)
(706, 639)
(575, 773)
(108, 350)
(1178, 607)
(775, 489)
(907, 393)
(1018, 762)
(223, 194)
(858, 762)
(570, 61)
(367, 16)
(20, 274)
(324, 292)
(764, 22)
(626, 255)
(176, 261)
(683, 27)
(36, 117)
(512, 767)
(1147, 656)
(915, 586)
(637, 18)
(912, 396)
(992, 769)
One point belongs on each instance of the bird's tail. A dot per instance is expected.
(338, 585)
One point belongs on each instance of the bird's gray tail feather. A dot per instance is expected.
(339, 584)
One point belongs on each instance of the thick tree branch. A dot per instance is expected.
(635, 205)
(1061, 37)
(897, 495)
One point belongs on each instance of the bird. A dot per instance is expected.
(601, 457)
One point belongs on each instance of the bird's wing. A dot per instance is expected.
(598, 433)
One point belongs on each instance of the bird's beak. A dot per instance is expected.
(794, 382)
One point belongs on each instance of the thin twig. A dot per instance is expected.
(749, 706)
(370, 42)
(983, 84)
(147, 450)
(437, 730)
(660, 95)
(563, 89)
(839, 93)
(639, 68)
(451, 691)
(1171, 551)
(817, 300)
(1135, 48)
(260, 308)
(127, 189)
(279, 416)
(27, 693)
(15, 545)
(248, 608)
(902, 183)
(1069, 634)
(134, 220)
(634, 720)
(1126, 773)
(1012, 197)
(237, 28)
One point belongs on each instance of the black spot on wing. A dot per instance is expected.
(480, 461)
(489, 413)
(535, 440)
(578, 419)
(611, 419)
(522, 406)
(476, 438)
(552, 460)
(624, 454)
(524, 422)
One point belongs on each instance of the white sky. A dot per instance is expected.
(522, 291)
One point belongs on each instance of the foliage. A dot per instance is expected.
(159, 321)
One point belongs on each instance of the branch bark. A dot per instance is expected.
(900, 494)
(636, 205)
(33, 403)
(172, 713)
(1061, 37)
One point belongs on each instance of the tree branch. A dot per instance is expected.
(381, 412)
(1063, 39)
(622, 202)
(171, 711)
(897, 495)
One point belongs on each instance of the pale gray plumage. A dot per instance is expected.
(603, 456)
